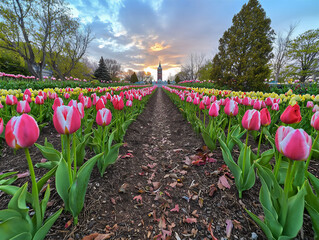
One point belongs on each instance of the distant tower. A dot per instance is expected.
(159, 72)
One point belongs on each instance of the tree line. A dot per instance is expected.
(249, 53)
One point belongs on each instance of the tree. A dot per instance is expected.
(143, 76)
(281, 53)
(101, 72)
(192, 66)
(12, 63)
(177, 80)
(245, 50)
(206, 71)
(134, 78)
(26, 26)
(113, 67)
(304, 54)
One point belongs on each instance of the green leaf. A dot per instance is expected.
(4, 175)
(314, 181)
(22, 236)
(46, 177)
(294, 218)
(262, 225)
(45, 201)
(13, 227)
(80, 149)
(62, 182)
(111, 157)
(42, 232)
(8, 213)
(312, 206)
(49, 153)
(266, 157)
(208, 141)
(18, 201)
(11, 190)
(79, 186)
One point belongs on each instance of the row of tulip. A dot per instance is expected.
(99, 124)
(287, 185)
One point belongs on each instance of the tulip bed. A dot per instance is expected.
(287, 124)
(93, 119)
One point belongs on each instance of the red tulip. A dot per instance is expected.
(265, 117)
(214, 109)
(23, 107)
(251, 120)
(66, 119)
(231, 108)
(103, 117)
(295, 144)
(291, 114)
(22, 131)
(315, 121)
(269, 101)
(57, 103)
(118, 102)
(1, 125)
(11, 100)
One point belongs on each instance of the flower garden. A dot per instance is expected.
(253, 143)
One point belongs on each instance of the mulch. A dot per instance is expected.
(154, 191)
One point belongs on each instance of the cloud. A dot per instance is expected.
(140, 33)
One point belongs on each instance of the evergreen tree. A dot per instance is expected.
(101, 72)
(177, 80)
(134, 78)
(245, 50)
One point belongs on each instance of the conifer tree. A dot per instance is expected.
(245, 49)
(134, 78)
(101, 72)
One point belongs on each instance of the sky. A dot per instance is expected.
(140, 33)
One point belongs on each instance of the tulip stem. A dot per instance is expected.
(69, 157)
(245, 152)
(74, 155)
(310, 155)
(260, 137)
(35, 191)
(229, 123)
(287, 180)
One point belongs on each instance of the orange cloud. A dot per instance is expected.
(159, 47)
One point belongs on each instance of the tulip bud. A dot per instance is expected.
(57, 103)
(27, 98)
(251, 120)
(275, 107)
(103, 117)
(315, 108)
(291, 114)
(129, 103)
(214, 109)
(257, 104)
(231, 108)
(1, 125)
(22, 131)
(202, 105)
(315, 121)
(310, 104)
(23, 107)
(39, 100)
(99, 104)
(295, 144)
(265, 117)
(66, 119)
(11, 100)
(86, 101)
(80, 107)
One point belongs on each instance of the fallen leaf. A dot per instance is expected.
(138, 198)
(123, 188)
(212, 160)
(187, 161)
(237, 224)
(173, 185)
(156, 185)
(190, 220)
(223, 183)
(175, 209)
(183, 172)
(166, 234)
(23, 175)
(43, 160)
(167, 194)
(113, 201)
(229, 227)
(201, 202)
(194, 213)
(210, 230)
(152, 165)
(162, 223)
(68, 223)
(97, 236)
(150, 157)
(212, 190)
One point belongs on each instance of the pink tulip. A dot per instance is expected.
(251, 120)
(196, 101)
(23, 107)
(27, 98)
(310, 104)
(231, 108)
(57, 103)
(257, 104)
(27, 92)
(22, 131)
(129, 103)
(103, 117)
(265, 117)
(315, 108)
(66, 95)
(269, 101)
(11, 100)
(86, 101)
(1, 125)
(295, 144)
(100, 104)
(73, 103)
(1, 106)
(247, 101)
(118, 102)
(202, 105)
(66, 119)
(189, 99)
(39, 100)
(291, 114)
(315, 121)
(275, 107)
(80, 107)
(214, 109)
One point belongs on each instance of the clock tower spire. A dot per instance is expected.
(159, 73)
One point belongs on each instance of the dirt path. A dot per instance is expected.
(153, 191)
